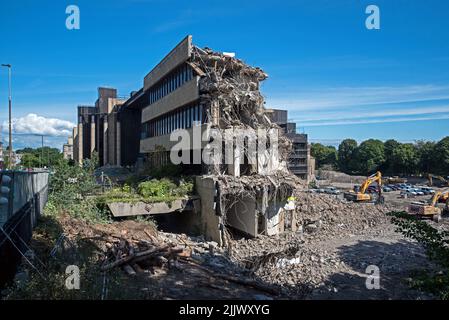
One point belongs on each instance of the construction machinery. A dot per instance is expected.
(359, 194)
(430, 209)
(394, 180)
(443, 182)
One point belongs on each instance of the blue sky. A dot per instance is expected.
(336, 78)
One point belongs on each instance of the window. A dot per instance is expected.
(170, 83)
(183, 118)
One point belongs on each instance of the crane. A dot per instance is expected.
(359, 193)
(430, 209)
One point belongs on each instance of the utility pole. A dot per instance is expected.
(10, 111)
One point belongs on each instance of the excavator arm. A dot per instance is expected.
(359, 194)
(442, 179)
(437, 196)
(377, 177)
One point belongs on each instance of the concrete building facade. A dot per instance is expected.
(301, 163)
(67, 149)
(98, 129)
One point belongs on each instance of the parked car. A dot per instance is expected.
(418, 191)
(409, 193)
(427, 190)
(332, 190)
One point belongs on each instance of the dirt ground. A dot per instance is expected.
(342, 265)
(330, 263)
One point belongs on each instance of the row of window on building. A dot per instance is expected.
(170, 83)
(182, 118)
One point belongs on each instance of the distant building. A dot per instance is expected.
(301, 163)
(17, 158)
(67, 149)
(98, 129)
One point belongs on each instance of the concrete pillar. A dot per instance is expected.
(234, 167)
(111, 139)
(80, 144)
(98, 138)
(209, 222)
(92, 138)
(118, 148)
(105, 141)
(75, 143)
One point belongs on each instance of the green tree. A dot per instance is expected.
(29, 160)
(425, 153)
(389, 147)
(40, 157)
(441, 152)
(346, 154)
(370, 156)
(324, 155)
(404, 159)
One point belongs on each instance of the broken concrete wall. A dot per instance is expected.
(241, 216)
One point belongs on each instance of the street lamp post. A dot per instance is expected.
(10, 107)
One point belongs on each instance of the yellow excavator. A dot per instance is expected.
(443, 181)
(359, 193)
(431, 208)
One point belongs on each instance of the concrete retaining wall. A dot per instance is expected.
(29, 192)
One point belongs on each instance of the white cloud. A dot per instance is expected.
(34, 124)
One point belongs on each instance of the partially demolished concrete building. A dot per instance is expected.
(213, 93)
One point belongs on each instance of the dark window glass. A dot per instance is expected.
(189, 116)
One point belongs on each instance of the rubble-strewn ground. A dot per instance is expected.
(327, 260)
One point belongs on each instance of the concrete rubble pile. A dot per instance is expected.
(331, 215)
(140, 250)
(290, 260)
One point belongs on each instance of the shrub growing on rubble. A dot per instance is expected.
(72, 190)
(164, 188)
(436, 244)
(156, 188)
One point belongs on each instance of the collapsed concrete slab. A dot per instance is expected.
(126, 209)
